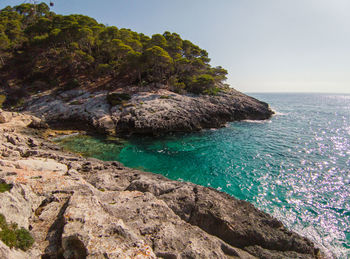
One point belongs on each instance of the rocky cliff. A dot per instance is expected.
(147, 111)
(85, 208)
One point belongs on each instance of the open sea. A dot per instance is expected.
(295, 166)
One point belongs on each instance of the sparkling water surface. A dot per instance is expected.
(295, 166)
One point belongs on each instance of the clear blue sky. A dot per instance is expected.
(266, 45)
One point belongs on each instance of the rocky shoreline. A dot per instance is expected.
(85, 208)
(145, 111)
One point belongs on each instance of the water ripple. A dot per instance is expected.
(294, 166)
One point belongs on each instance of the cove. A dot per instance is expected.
(294, 166)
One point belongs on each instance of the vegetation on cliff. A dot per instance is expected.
(4, 187)
(40, 49)
(12, 236)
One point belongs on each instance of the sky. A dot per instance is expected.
(266, 45)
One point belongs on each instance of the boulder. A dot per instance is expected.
(37, 123)
(5, 116)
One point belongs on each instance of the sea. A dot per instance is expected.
(295, 166)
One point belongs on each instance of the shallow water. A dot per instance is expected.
(295, 166)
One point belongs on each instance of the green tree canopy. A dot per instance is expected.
(39, 45)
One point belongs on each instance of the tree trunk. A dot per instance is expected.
(139, 76)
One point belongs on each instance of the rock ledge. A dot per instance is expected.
(146, 112)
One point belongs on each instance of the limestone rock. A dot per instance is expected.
(4, 116)
(236, 222)
(7, 253)
(40, 164)
(164, 111)
(147, 112)
(37, 123)
(18, 204)
(86, 208)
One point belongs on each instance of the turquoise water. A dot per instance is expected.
(295, 166)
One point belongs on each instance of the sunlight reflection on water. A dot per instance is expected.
(295, 167)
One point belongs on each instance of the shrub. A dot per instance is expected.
(53, 82)
(201, 83)
(2, 99)
(104, 69)
(4, 187)
(37, 86)
(15, 97)
(212, 91)
(84, 56)
(179, 87)
(19, 103)
(117, 98)
(176, 86)
(71, 84)
(24, 239)
(2, 221)
(12, 236)
(40, 38)
(74, 45)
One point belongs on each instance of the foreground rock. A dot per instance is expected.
(148, 112)
(85, 208)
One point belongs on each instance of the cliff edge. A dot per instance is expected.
(145, 111)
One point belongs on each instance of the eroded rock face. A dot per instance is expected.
(149, 112)
(165, 111)
(85, 208)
